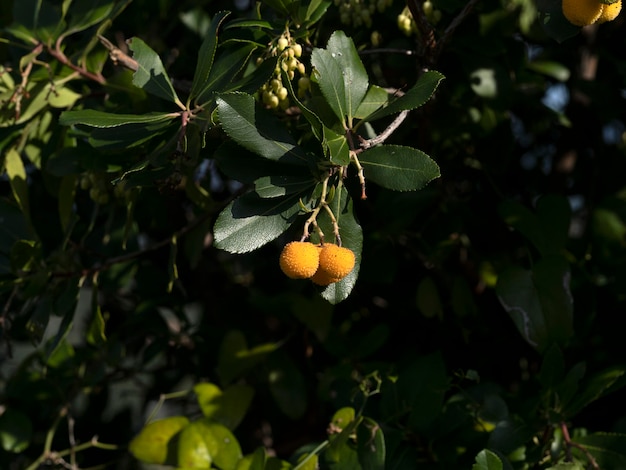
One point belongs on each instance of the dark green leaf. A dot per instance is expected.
(338, 148)
(250, 222)
(328, 73)
(101, 119)
(419, 94)
(206, 54)
(608, 449)
(398, 168)
(287, 385)
(371, 445)
(151, 75)
(256, 129)
(226, 67)
(596, 387)
(424, 384)
(342, 49)
(375, 99)
(487, 460)
(87, 13)
(552, 370)
(281, 185)
(539, 301)
(235, 358)
(16, 431)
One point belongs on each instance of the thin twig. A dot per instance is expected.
(118, 56)
(570, 443)
(384, 135)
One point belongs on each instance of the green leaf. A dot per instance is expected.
(552, 370)
(539, 301)
(328, 73)
(371, 445)
(242, 165)
(487, 460)
(551, 69)
(596, 387)
(419, 94)
(16, 172)
(102, 119)
(355, 80)
(428, 299)
(343, 417)
(337, 146)
(220, 442)
(282, 185)
(286, 385)
(172, 267)
(85, 14)
(341, 454)
(235, 358)
(151, 444)
(226, 68)
(424, 384)
(249, 222)
(67, 191)
(16, 431)
(253, 461)
(95, 332)
(195, 447)
(398, 168)
(256, 129)
(375, 99)
(151, 75)
(206, 55)
(227, 407)
(608, 449)
(351, 237)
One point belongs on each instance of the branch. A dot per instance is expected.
(570, 443)
(59, 55)
(118, 56)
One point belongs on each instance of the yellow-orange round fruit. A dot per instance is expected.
(299, 260)
(335, 262)
(322, 278)
(610, 12)
(582, 12)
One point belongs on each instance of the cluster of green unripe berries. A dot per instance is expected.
(323, 264)
(586, 12)
(359, 12)
(407, 24)
(274, 94)
(100, 187)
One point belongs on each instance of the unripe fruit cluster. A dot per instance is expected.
(406, 23)
(359, 12)
(99, 187)
(586, 12)
(273, 93)
(322, 264)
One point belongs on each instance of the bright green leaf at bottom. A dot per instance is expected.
(151, 444)
(487, 460)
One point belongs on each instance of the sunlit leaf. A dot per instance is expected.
(398, 168)
(250, 222)
(150, 74)
(151, 444)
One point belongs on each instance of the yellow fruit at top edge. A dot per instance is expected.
(299, 260)
(582, 12)
(335, 262)
(610, 12)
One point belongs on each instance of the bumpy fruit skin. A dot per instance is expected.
(582, 12)
(299, 260)
(335, 263)
(610, 12)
